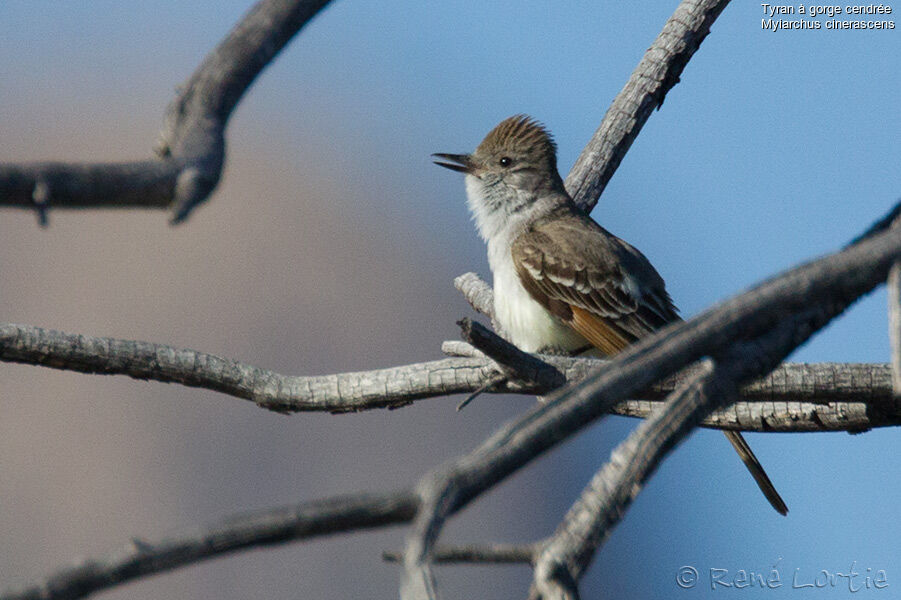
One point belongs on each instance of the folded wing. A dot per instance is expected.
(593, 281)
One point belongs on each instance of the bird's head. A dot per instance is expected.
(513, 167)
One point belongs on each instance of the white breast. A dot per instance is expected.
(527, 324)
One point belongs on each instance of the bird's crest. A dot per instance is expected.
(520, 132)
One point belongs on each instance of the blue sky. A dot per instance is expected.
(775, 147)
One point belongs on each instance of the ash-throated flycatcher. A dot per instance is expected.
(562, 283)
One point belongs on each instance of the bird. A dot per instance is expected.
(562, 283)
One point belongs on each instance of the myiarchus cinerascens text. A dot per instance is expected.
(562, 283)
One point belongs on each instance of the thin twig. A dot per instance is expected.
(495, 380)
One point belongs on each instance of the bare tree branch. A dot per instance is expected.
(827, 285)
(459, 348)
(241, 532)
(526, 369)
(795, 397)
(793, 416)
(149, 183)
(480, 296)
(655, 75)
(192, 145)
(478, 293)
(384, 388)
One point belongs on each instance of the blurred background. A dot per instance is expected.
(332, 243)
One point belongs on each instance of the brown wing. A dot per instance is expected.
(596, 283)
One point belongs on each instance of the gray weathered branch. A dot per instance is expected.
(241, 532)
(521, 367)
(655, 75)
(192, 145)
(480, 296)
(795, 397)
(478, 293)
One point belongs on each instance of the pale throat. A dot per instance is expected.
(525, 322)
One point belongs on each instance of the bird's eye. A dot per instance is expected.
(506, 161)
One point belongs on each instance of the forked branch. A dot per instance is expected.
(191, 151)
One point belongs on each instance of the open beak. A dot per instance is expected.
(461, 162)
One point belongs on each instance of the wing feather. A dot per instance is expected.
(598, 331)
